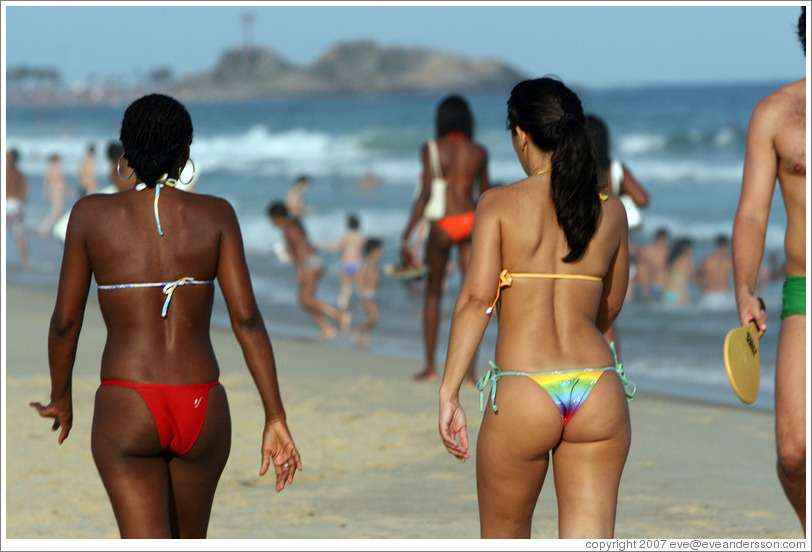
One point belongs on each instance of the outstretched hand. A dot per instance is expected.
(452, 424)
(277, 446)
(61, 413)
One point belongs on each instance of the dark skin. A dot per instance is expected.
(156, 494)
(463, 164)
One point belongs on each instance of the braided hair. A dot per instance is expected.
(552, 116)
(155, 132)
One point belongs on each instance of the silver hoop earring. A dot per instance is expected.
(118, 169)
(194, 170)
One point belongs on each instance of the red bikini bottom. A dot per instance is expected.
(458, 227)
(178, 410)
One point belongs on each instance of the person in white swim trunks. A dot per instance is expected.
(16, 194)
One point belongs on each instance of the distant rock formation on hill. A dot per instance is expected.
(248, 73)
(358, 67)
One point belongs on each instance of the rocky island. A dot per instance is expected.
(350, 68)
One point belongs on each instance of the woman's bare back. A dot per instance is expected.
(463, 163)
(123, 246)
(547, 323)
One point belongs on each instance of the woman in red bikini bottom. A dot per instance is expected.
(161, 430)
(464, 166)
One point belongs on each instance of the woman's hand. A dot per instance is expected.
(406, 257)
(277, 445)
(61, 412)
(452, 424)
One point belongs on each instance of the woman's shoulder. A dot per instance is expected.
(481, 147)
(613, 212)
(213, 209)
(207, 201)
(501, 197)
(99, 202)
(611, 204)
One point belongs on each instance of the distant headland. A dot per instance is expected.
(251, 73)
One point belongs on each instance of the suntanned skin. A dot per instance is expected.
(54, 189)
(17, 188)
(543, 325)
(351, 245)
(681, 273)
(369, 279)
(652, 266)
(114, 239)
(294, 200)
(300, 249)
(715, 270)
(87, 174)
(632, 187)
(776, 149)
(464, 164)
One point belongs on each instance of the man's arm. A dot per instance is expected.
(750, 225)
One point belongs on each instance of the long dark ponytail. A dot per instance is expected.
(552, 116)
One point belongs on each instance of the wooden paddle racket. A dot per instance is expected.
(742, 360)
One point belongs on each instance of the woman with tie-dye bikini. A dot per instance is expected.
(550, 257)
(161, 430)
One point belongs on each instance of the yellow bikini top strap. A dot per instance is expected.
(506, 280)
(541, 275)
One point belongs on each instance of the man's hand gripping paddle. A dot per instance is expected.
(741, 352)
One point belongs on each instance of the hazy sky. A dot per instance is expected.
(600, 44)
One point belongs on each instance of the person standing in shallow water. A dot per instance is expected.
(87, 172)
(16, 196)
(550, 256)
(776, 150)
(463, 165)
(161, 431)
(54, 190)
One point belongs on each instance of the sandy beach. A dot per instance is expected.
(374, 465)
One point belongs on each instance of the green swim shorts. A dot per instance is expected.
(794, 296)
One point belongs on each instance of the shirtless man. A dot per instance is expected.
(16, 194)
(776, 149)
(716, 270)
(54, 189)
(87, 172)
(652, 267)
(309, 268)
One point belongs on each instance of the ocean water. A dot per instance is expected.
(684, 144)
